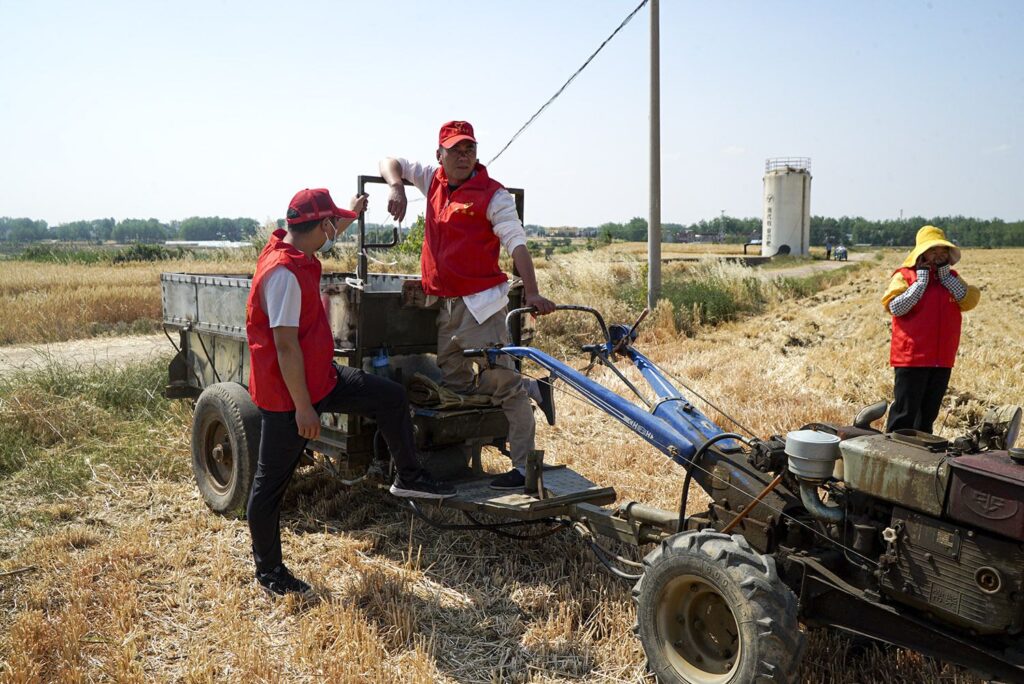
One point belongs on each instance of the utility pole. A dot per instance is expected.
(654, 215)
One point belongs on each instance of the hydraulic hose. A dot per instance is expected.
(695, 462)
(605, 556)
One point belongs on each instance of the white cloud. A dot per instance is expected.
(734, 150)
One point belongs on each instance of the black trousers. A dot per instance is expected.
(918, 397)
(281, 446)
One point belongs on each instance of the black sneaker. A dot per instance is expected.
(513, 479)
(547, 399)
(421, 487)
(281, 582)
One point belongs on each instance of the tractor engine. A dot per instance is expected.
(945, 527)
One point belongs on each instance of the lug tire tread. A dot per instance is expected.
(779, 640)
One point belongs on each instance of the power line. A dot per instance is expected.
(571, 78)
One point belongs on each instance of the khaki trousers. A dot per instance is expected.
(458, 330)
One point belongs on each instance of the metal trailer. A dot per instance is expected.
(721, 596)
(373, 316)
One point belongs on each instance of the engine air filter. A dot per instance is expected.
(812, 455)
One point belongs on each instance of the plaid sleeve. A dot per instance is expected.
(953, 283)
(901, 304)
(897, 286)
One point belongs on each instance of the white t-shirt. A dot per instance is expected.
(281, 297)
(501, 212)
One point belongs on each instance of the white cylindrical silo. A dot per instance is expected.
(786, 221)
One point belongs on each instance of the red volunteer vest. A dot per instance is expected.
(460, 249)
(266, 384)
(930, 334)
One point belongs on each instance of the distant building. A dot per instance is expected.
(710, 238)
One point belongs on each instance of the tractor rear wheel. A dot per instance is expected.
(712, 610)
(225, 446)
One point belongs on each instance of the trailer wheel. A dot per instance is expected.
(225, 446)
(712, 610)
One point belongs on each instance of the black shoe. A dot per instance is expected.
(421, 487)
(547, 399)
(281, 582)
(513, 479)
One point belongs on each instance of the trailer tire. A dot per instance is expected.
(225, 447)
(712, 610)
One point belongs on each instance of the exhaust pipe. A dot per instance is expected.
(816, 507)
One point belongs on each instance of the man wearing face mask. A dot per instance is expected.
(925, 297)
(469, 217)
(293, 378)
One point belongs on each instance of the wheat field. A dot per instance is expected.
(48, 302)
(128, 577)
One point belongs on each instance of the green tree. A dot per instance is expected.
(413, 242)
(22, 229)
(217, 228)
(103, 229)
(84, 231)
(74, 231)
(636, 229)
(139, 230)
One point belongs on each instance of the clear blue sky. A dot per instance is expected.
(175, 109)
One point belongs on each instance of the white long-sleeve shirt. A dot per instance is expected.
(504, 219)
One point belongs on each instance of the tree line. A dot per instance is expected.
(849, 230)
(152, 231)
(967, 231)
(128, 230)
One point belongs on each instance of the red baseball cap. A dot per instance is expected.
(454, 132)
(313, 205)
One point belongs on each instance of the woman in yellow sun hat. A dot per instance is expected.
(925, 297)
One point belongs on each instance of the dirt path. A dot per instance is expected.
(810, 268)
(99, 350)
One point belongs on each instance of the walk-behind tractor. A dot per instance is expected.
(907, 538)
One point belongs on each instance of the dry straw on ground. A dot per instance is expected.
(134, 580)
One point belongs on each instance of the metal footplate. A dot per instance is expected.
(563, 488)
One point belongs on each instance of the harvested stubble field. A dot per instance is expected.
(49, 302)
(120, 573)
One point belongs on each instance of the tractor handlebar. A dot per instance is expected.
(615, 339)
(514, 313)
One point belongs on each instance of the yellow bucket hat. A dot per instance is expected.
(929, 237)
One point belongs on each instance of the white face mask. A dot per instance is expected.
(326, 247)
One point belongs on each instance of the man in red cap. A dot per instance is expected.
(293, 378)
(469, 218)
